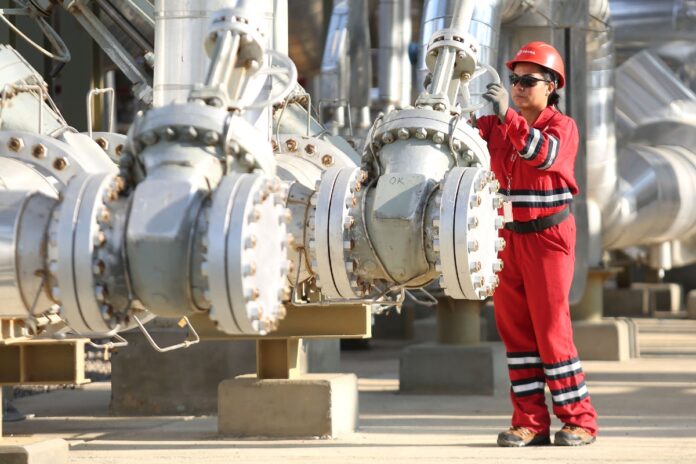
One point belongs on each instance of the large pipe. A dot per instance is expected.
(180, 60)
(394, 37)
(658, 167)
(643, 23)
(602, 178)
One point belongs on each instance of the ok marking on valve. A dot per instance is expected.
(396, 180)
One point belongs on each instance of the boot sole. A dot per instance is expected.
(536, 441)
(566, 442)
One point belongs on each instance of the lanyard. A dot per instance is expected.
(508, 174)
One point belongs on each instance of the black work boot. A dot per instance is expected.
(522, 436)
(572, 435)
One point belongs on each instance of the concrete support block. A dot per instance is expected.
(606, 340)
(479, 369)
(145, 382)
(33, 451)
(489, 330)
(642, 300)
(626, 302)
(664, 296)
(314, 405)
(691, 304)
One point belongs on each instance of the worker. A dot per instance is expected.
(533, 156)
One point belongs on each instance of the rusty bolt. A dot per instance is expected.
(274, 145)
(119, 149)
(291, 144)
(119, 184)
(39, 151)
(310, 149)
(327, 160)
(103, 143)
(60, 163)
(104, 216)
(101, 239)
(15, 144)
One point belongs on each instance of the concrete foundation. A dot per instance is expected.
(313, 405)
(33, 451)
(642, 300)
(691, 304)
(479, 369)
(606, 340)
(138, 389)
(145, 382)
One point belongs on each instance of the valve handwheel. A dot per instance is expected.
(60, 53)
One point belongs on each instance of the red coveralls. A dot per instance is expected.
(535, 167)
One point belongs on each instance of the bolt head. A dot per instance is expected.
(39, 151)
(15, 144)
(60, 163)
(327, 160)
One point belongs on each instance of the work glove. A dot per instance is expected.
(498, 96)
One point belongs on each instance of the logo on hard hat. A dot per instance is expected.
(526, 51)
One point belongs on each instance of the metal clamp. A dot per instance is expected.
(430, 301)
(112, 105)
(119, 343)
(185, 344)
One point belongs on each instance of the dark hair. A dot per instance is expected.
(554, 98)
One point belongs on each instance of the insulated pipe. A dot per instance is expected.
(656, 199)
(395, 68)
(26, 108)
(644, 23)
(658, 166)
(24, 217)
(461, 17)
(602, 179)
(180, 61)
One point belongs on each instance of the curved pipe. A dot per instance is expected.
(656, 169)
(645, 23)
(655, 202)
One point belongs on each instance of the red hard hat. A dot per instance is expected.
(542, 54)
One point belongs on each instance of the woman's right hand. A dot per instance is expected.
(498, 96)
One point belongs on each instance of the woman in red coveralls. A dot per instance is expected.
(533, 156)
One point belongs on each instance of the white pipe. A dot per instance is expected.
(394, 66)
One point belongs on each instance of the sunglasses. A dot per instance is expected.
(526, 81)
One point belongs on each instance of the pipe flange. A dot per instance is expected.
(463, 43)
(341, 241)
(436, 126)
(247, 261)
(319, 153)
(320, 244)
(468, 241)
(83, 263)
(207, 127)
(112, 143)
(237, 21)
(52, 157)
